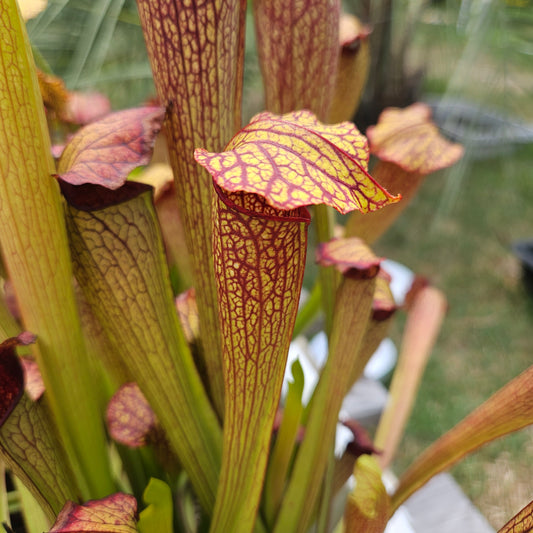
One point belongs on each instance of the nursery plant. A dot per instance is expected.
(126, 407)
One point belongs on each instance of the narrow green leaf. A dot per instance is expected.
(35, 519)
(120, 264)
(508, 410)
(40, 268)
(352, 313)
(157, 517)
(284, 446)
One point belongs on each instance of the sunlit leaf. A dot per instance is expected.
(367, 508)
(259, 261)
(293, 160)
(130, 418)
(408, 138)
(114, 514)
(157, 517)
(196, 50)
(106, 151)
(522, 522)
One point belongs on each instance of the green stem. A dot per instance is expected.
(329, 278)
(308, 311)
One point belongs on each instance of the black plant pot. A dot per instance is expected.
(524, 251)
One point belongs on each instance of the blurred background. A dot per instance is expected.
(472, 60)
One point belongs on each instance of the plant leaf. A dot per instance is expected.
(297, 44)
(352, 313)
(196, 51)
(508, 410)
(114, 514)
(40, 268)
(421, 330)
(120, 265)
(408, 138)
(350, 256)
(130, 418)
(522, 522)
(354, 64)
(11, 378)
(284, 444)
(259, 261)
(106, 151)
(157, 517)
(293, 161)
(367, 508)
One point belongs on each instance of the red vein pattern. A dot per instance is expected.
(114, 514)
(106, 151)
(259, 261)
(129, 417)
(11, 378)
(298, 47)
(408, 138)
(522, 522)
(196, 52)
(349, 255)
(293, 161)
